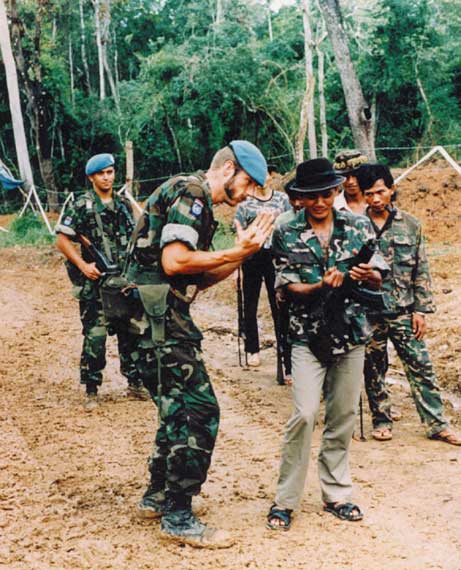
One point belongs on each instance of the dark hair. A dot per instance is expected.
(368, 174)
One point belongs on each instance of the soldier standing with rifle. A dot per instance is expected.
(169, 262)
(103, 220)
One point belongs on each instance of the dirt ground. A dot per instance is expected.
(69, 480)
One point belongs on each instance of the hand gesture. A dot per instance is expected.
(253, 237)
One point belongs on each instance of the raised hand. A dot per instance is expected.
(253, 237)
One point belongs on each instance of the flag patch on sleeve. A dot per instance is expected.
(196, 208)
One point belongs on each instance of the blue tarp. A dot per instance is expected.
(7, 181)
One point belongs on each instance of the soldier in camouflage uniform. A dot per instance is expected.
(106, 219)
(328, 330)
(408, 298)
(169, 261)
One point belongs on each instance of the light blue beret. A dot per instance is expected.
(251, 159)
(98, 162)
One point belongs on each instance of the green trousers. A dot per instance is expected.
(188, 416)
(417, 364)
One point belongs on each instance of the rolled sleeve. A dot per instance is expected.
(179, 232)
(66, 230)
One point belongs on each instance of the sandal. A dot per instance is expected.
(447, 436)
(344, 511)
(279, 514)
(382, 434)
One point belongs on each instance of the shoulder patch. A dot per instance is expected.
(67, 221)
(89, 205)
(197, 207)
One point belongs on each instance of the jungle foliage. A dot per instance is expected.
(188, 82)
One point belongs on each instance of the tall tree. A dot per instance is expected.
(359, 111)
(22, 151)
(307, 118)
(38, 98)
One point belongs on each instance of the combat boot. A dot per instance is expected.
(91, 402)
(180, 525)
(153, 504)
(137, 391)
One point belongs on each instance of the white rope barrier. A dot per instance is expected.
(439, 149)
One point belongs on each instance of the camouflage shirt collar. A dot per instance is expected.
(99, 204)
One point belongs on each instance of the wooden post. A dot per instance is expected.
(129, 166)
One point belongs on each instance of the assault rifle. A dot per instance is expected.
(330, 308)
(350, 288)
(241, 319)
(105, 266)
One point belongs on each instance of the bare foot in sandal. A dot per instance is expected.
(447, 436)
(382, 434)
(278, 518)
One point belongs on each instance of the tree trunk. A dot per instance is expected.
(104, 22)
(102, 83)
(219, 13)
(269, 21)
(322, 104)
(129, 166)
(83, 48)
(71, 71)
(307, 119)
(309, 77)
(426, 103)
(20, 141)
(358, 110)
(39, 101)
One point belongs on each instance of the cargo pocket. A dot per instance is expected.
(154, 300)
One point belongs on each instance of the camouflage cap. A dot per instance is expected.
(349, 161)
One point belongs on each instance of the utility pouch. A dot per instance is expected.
(120, 300)
(154, 301)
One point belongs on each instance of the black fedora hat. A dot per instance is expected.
(314, 176)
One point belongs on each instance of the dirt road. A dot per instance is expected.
(69, 481)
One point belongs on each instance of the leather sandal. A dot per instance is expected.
(279, 514)
(382, 434)
(447, 436)
(344, 511)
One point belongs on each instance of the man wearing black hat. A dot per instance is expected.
(327, 330)
(351, 199)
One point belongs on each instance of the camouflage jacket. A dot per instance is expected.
(117, 223)
(299, 259)
(251, 207)
(178, 210)
(407, 286)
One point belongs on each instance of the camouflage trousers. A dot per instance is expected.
(93, 357)
(178, 382)
(417, 364)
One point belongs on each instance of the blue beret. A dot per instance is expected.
(98, 162)
(251, 159)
